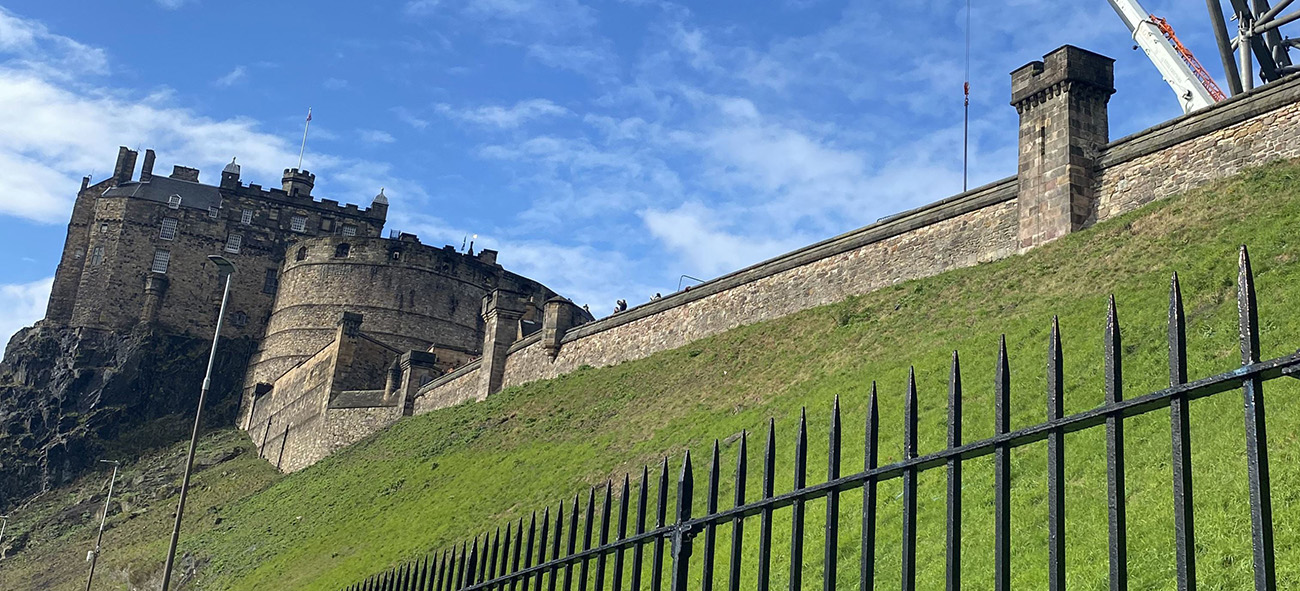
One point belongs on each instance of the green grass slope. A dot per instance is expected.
(445, 476)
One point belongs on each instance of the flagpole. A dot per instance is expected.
(304, 138)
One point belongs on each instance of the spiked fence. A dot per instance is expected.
(538, 561)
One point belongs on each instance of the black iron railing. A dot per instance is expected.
(503, 563)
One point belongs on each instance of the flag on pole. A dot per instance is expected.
(309, 113)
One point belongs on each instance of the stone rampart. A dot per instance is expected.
(981, 225)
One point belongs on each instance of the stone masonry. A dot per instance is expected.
(1069, 178)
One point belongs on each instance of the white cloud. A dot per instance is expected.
(52, 132)
(505, 117)
(174, 4)
(375, 136)
(406, 116)
(234, 76)
(29, 45)
(697, 234)
(21, 305)
(335, 83)
(421, 7)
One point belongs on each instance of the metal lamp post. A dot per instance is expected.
(223, 265)
(94, 554)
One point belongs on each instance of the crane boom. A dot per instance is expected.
(1192, 93)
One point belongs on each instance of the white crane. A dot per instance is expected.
(1195, 89)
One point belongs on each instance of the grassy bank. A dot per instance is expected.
(448, 475)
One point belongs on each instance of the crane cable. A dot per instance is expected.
(965, 125)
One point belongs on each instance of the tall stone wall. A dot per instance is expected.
(986, 224)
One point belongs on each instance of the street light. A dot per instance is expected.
(227, 267)
(94, 554)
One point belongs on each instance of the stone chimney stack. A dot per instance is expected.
(185, 173)
(146, 169)
(125, 167)
(1063, 126)
(298, 182)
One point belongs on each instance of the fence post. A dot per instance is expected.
(682, 534)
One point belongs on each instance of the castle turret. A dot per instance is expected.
(298, 182)
(230, 176)
(379, 206)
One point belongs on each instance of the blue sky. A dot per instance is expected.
(604, 148)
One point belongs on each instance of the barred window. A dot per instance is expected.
(161, 258)
(349, 230)
(168, 229)
(272, 281)
(298, 223)
(246, 217)
(233, 242)
(213, 212)
(174, 202)
(96, 256)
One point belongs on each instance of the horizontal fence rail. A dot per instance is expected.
(538, 560)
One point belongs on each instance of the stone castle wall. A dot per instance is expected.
(982, 225)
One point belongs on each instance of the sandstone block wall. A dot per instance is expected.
(982, 225)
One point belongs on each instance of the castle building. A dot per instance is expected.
(348, 322)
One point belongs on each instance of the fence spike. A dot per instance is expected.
(765, 525)
(638, 551)
(710, 529)
(555, 546)
(1055, 464)
(441, 571)
(573, 544)
(952, 571)
(1002, 472)
(868, 558)
(604, 534)
(516, 554)
(681, 536)
(657, 567)
(496, 553)
(1181, 446)
(588, 527)
(464, 577)
(422, 584)
(797, 507)
(830, 556)
(622, 532)
(541, 547)
(1261, 502)
(505, 553)
(909, 485)
(738, 523)
(407, 575)
(1115, 452)
(528, 548)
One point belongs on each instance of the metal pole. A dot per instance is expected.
(194, 438)
(4, 523)
(1225, 46)
(1243, 46)
(303, 149)
(94, 554)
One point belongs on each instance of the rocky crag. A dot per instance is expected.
(70, 397)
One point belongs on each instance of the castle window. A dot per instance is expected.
(213, 212)
(174, 202)
(233, 242)
(103, 228)
(239, 319)
(246, 217)
(341, 251)
(397, 255)
(272, 281)
(161, 258)
(349, 230)
(302, 254)
(298, 223)
(168, 229)
(96, 256)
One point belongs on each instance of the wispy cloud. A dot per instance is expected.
(233, 77)
(503, 116)
(375, 136)
(29, 45)
(22, 305)
(174, 4)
